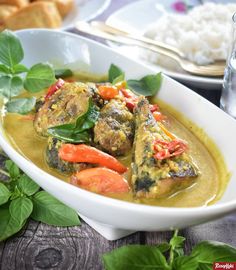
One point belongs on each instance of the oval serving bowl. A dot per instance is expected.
(80, 53)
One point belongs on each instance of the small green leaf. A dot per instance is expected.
(49, 210)
(4, 70)
(21, 105)
(20, 209)
(135, 257)
(115, 72)
(208, 252)
(10, 86)
(19, 68)
(63, 73)
(12, 168)
(11, 51)
(185, 263)
(8, 225)
(119, 79)
(39, 77)
(16, 86)
(163, 247)
(4, 194)
(177, 241)
(27, 185)
(16, 193)
(77, 132)
(5, 86)
(147, 86)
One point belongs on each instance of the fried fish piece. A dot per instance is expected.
(151, 177)
(114, 130)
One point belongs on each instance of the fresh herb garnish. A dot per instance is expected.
(77, 132)
(203, 255)
(63, 73)
(147, 86)
(20, 199)
(14, 76)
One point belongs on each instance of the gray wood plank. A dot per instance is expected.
(223, 230)
(40, 246)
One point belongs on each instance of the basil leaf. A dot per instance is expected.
(147, 86)
(185, 263)
(177, 241)
(115, 72)
(16, 86)
(8, 225)
(163, 247)
(49, 210)
(27, 186)
(4, 69)
(12, 168)
(77, 132)
(21, 105)
(208, 252)
(39, 77)
(4, 194)
(63, 73)
(5, 86)
(134, 257)
(11, 51)
(10, 86)
(20, 69)
(20, 209)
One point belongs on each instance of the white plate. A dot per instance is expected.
(137, 17)
(72, 49)
(84, 10)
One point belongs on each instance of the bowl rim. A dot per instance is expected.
(101, 199)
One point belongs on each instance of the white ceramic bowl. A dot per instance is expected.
(66, 48)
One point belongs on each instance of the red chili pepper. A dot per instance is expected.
(53, 88)
(165, 149)
(153, 107)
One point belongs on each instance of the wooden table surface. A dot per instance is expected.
(39, 246)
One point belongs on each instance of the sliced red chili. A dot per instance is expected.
(165, 149)
(53, 88)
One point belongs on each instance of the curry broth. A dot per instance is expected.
(207, 189)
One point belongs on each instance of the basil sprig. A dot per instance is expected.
(77, 132)
(146, 86)
(21, 198)
(203, 255)
(14, 76)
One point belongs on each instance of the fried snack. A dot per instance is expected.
(64, 6)
(18, 3)
(5, 11)
(2, 27)
(35, 15)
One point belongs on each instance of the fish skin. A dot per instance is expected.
(156, 178)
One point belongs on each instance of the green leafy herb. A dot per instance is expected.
(115, 74)
(77, 132)
(27, 186)
(20, 209)
(49, 210)
(147, 86)
(4, 194)
(63, 73)
(21, 105)
(135, 257)
(8, 225)
(140, 257)
(37, 77)
(20, 199)
(11, 51)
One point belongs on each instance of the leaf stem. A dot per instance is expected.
(171, 258)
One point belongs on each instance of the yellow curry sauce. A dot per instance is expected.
(207, 188)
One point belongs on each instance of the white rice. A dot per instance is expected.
(203, 34)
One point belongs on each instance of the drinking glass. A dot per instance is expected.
(228, 97)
